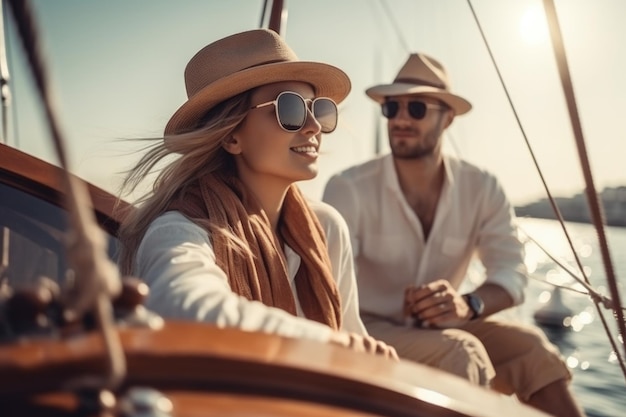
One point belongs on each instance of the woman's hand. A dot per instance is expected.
(365, 344)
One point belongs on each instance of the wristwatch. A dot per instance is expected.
(476, 304)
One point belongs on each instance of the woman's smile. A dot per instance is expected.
(306, 150)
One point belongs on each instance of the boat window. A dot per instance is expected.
(31, 239)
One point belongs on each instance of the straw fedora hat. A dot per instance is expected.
(422, 75)
(243, 61)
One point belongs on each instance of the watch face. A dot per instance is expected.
(476, 304)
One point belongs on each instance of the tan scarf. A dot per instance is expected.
(227, 204)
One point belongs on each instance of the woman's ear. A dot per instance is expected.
(231, 145)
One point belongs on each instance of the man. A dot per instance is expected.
(416, 218)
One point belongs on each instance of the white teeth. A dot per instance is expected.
(305, 149)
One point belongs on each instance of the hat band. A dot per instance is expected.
(273, 61)
(419, 82)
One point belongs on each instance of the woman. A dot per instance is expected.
(225, 236)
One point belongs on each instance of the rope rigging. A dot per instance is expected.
(597, 298)
(85, 241)
(395, 26)
(592, 195)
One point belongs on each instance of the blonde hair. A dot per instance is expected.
(197, 153)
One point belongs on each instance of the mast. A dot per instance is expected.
(5, 93)
(278, 17)
(4, 99)
(592, 196)
(377, 122)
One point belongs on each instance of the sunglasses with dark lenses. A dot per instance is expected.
(291, 111)
(417, 109)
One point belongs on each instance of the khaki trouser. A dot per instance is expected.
(512, 358)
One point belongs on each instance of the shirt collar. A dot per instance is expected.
(389, 173)
(391, 176)
(448, 179)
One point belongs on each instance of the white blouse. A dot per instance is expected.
(177, 261)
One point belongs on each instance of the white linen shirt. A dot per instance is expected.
(473, 216)
(177, 261)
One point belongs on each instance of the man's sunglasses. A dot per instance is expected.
(417, 109)
(291, 111)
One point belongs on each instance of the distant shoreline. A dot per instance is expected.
(528, 216)
(575, 209)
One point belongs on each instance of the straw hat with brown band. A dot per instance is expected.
(243, 61)
(425, 76)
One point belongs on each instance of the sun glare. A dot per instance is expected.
(533, 26)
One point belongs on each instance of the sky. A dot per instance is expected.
(117, 72)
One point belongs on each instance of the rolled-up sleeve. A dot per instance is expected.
(177, 261)
(499, 246)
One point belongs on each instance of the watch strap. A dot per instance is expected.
(475, 305)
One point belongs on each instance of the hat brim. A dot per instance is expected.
(327, 80)
(380, 92)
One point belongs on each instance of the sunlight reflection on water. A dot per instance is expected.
(597, 378)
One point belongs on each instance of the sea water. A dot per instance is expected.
(598, 382)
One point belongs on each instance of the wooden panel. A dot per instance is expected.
(43, 180)
(194, 357)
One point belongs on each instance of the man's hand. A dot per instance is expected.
(436, 305)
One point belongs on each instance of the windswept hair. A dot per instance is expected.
(195, 154)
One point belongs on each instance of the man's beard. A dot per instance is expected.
(403, 150)
(423, 149)
(416, 152)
